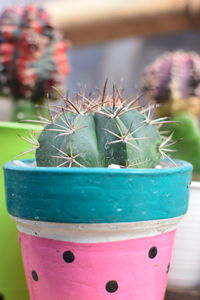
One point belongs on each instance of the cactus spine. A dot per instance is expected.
(98, 133)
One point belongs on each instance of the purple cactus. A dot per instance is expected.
(173, 75)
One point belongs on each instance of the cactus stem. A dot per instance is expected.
(123, 138)
(136, 164)
(66, 121)
(69, 129)
(95, 113)
(65, 132)
(105, 114)
(69, 159)
(113, 133)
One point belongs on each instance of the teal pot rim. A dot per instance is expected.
(97, 195)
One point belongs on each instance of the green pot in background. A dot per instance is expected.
(12, 278)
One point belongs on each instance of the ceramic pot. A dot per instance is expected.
(97, 233)
(185, 268)
(12, 279)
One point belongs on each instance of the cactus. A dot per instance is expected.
(32, 58)
(173, 82)
(99, 133)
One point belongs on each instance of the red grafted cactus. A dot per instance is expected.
(32, 57)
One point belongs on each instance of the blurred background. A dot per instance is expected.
(117, 39)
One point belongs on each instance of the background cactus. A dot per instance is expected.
(32, 57)
(173, 80)
(101, 132)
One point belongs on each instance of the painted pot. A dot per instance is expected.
(185, 268)
(97, 233)
(12, 279)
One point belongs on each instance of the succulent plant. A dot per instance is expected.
(101, 132)
(173, 82)
(173, 75)
(32, 57)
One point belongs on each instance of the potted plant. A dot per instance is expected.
(32, 58)
(173, 82)
(97, 213)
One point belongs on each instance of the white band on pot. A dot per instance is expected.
(94, 233)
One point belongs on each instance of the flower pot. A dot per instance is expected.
(185, 268)
(12, 279)
(97, 233)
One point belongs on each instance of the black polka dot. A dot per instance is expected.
(1, 297)
(153, 252)
(68, 256)
(168, 268)
(111, 286)
(35, 275)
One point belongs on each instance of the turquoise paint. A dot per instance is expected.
(97, 195)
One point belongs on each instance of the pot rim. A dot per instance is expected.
(96, 195)
(18, 125)
(181, 167)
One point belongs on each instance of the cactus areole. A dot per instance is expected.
(99, 133)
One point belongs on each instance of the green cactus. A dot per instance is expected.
(185, 129)
(173, 80)
(99, 133)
